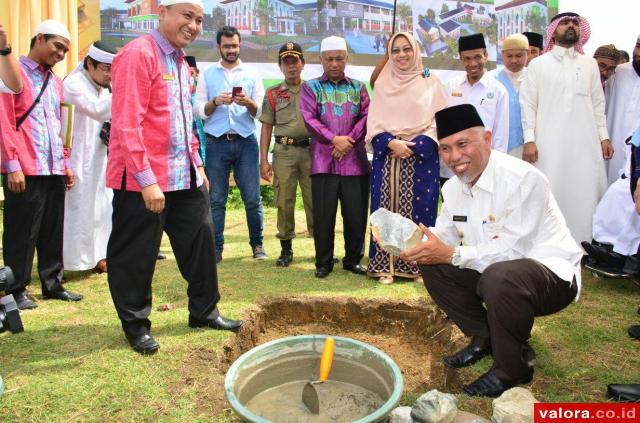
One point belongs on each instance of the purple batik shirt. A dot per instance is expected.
(331, 109)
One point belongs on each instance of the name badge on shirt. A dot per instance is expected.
(459, 218)
(168, 77)
(456, 94)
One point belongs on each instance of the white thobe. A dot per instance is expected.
(623, 116)
(508, 214)
(490, 99)
(562, 106)
(87, 213)
(616, 221)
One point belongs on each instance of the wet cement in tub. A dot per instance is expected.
(339, 402)
(413, 332)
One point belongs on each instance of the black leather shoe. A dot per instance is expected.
(286, 254)
(61, 294)
(490, 385)
(467, 356)
(220, 323)
(624, 392)
(323, 271)
(358, 269)
(143, 344)
(604, 256)
(24, 301)
(161, 255)
(634, 331)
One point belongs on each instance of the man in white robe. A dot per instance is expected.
(616, 224)
(565, 131)
(87, 215)
(623, 111)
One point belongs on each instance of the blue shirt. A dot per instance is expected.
(233, 118)
(516, 135)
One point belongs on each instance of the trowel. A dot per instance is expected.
(309, 392)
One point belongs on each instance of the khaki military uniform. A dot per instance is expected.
(291, 163)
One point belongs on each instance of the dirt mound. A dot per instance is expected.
(414, 333)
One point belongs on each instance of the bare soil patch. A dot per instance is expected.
(414, 333)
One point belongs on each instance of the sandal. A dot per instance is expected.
(386, 280)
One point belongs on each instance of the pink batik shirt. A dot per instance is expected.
(36, 148)
(152, 138)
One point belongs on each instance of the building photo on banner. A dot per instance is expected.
(365, 24)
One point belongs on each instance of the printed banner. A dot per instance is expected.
(365, 24)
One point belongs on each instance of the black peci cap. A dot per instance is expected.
(457, 118)
(471, 42)
(535, 39)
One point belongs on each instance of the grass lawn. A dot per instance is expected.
(72, 362)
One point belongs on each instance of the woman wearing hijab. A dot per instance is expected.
(401, 132)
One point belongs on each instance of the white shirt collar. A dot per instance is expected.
(485, 181)
(559, 52)
(240, 66)
(482, 81)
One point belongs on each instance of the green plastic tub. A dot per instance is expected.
(297, 357)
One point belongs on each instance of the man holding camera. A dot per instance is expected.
(228, 98)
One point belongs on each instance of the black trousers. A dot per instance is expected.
(353, 194)
(33, 221)
(513, 292)
(133, 249)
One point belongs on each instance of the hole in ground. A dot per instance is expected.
(414, 333)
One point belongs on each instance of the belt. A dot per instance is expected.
(296, 142)
(229, 136)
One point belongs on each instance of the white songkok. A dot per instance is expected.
(51, 27)
(100, 55)
(172, 2)
(515, 42)
(333, 43)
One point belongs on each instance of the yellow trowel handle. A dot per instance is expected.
(327, 358)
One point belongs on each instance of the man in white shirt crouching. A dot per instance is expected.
(500, 240)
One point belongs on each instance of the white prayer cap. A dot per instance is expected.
(333, 43)
(100, 55)
(172, 2)
(515, 42)
(51, 27)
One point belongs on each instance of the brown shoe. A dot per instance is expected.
(101, 267)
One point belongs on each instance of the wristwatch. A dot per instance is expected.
(456, 257)
(5, 51)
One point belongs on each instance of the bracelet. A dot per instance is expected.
(214, 101)
(5, 51)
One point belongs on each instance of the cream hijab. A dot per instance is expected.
(404, 102)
